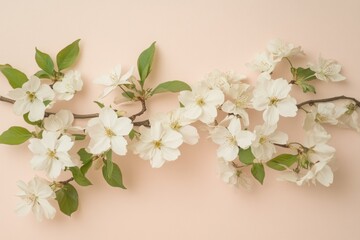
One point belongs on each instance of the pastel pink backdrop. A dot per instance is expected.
(185, 199)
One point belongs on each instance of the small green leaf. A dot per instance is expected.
(79, 137)
(15, 136)
(171, 86)
(257, 170)
(68, 199)
(302, 76)
(67, 56)
(85, 157)
(101, 105)
(26, 118)
(109, 163)
(47, 102)
(42, 74)
(85, 168)
(79, 177)
(246, 156)
(44, 61)
(307, 87)
(132, 134)
(282, 162)
(15, 77)
(144, 63)
(115, 179)
(129, 95)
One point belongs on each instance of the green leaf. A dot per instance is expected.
(302, 76)
(115, 179)
(79, 177)
(171, 86)
(15, 136)
(42, 74)
(282, 162)
(44, 61)
(132, 134)
(15, 77)
(68, 199)
(129, 95)
(79, 137)
(144, 63)
(109, 163)
(307, 87)
(67, 56)
(85, 168)
(27, 120)
(257, 170)
(246, 156)
(101, 105)
(85, 157)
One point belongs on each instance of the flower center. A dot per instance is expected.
(109, 132)
(31, 198)
(273, 101)
(351, 108)
(232, 140)
(31, 96)
(200, 102)
(51, 154)
(114, 77)
(175, 125)
(241, 102)
(262, 139)
(320, 118)
(157, 144)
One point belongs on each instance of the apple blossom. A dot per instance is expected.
(68, 85)
(108, 131)
(263, 63)
(327, 70)
(30, 98)
(61, 121)
(222, 80)
(349, 115)
(114, 79)
(201, 103)
(51, 153)
(323, 113)
(34, 197)
(273, 97)
(280, 49)
(230, 175)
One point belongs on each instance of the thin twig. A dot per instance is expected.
(143, 109)
(312, 102)
(67, 181)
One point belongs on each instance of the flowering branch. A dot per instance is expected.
(312, 102)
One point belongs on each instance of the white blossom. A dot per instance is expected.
(240, 101)
(68, 86)
(322, 113)
(280, 49)
(263, 63)
(114, 79)
(230, 138)
(59, 122)
(30, 98)
(349, 115)
(158, 144)
(230, 175)
(108, 131)
(263, 146)
(273, 97)
(34, 197)
(51, 153)
(222, 80)
(177, 121)
(201, 103)
(327, 70)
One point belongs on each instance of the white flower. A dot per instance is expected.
(273, 97)
(241, 100)
(176, 121)
(231, 138)
(263, 146)
(323, 113)
(34, 196)
(69, 85)
(327, 70)
(158, 144)
(59, 122)
(114, 79)
(222, 80)
(51, 153)
(264, 63)
(317, 134)
(201, 103)
(30, 98)
(108, 131)
(349, 115)
(230, 175)
(280, 49)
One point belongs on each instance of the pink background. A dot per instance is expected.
(185, 199)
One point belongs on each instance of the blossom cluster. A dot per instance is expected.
(222, 102)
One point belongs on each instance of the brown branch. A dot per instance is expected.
(67, 181)
(312, 102)
(8, 100)
(145, 123)
(143, 109)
